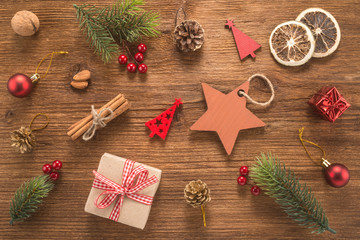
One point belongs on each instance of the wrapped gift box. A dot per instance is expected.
(104, 199)
(329, 103)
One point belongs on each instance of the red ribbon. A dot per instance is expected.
(127, 187)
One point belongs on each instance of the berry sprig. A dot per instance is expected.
(138, 58)
(52, 169)
(244, 178)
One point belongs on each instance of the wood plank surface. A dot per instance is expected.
(233, 212)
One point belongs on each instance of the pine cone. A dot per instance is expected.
(23, 140)
(189, 36)
(197, 193)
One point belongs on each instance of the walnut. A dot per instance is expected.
(25, 23)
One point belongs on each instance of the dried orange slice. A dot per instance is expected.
(325, 29)
(292, 43)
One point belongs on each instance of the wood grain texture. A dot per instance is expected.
(185, 155)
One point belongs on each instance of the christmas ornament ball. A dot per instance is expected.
(337, 175)
(19, 85)
(25, 23)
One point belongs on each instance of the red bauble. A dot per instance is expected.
(46, 168)
(242, 180)
(131, 67)
(244, 170)
(57, 164)
(54, 176)
(255, 190)
(122, 59)
(139, 57)
(19, 85)
(142, 48)
(143, 68)
(337, 175)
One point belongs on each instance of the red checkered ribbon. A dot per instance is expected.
(127, 187)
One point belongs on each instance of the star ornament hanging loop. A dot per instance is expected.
(227, 113)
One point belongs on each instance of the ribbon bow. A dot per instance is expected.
(127, 187)
(98, 120)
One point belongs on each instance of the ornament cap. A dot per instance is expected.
(35, 77)
(325, 163)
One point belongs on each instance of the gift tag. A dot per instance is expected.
(227, 113)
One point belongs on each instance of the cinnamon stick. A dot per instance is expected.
(83, 121)
(82, 129)
(120, 110)
(88, 119)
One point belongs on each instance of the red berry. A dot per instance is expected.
(143, 68)
(122, 59)
(54, 176)
(255, 190)
(142, 48)
(244, 170)
(47, 168)
(242, 180)
(57, 164)
(131, 67)
(139, 57)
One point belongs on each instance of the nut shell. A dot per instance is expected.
(25, 23)
(79, 85)
(83, 75)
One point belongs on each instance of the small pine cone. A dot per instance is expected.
(197, 193)
(23, 140)
(189, 36)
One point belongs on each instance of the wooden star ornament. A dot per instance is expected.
(226, 114)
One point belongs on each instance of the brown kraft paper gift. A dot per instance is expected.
(132, 213)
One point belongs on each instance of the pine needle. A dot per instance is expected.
(110, 27)
(28, 196)
(295, 199)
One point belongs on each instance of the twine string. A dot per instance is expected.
(35, 117)
(203, 214)
(98, 121)
(36, 76)
(242, 93)
(301, 130)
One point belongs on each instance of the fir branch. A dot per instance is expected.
(97, 34)
(123, 22)
(28, 196)
(297, 201)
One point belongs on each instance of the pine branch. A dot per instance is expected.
(112, 26)
(28, 196)
(297, 201)
(98, 35)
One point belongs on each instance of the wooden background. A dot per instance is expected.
(185, 155)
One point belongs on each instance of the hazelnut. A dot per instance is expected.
(25, 23)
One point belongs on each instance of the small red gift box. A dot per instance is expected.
(329, 103)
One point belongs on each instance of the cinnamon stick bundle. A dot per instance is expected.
(118, 105)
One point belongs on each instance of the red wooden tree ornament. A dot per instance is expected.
(161, 124)
(245, 45)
